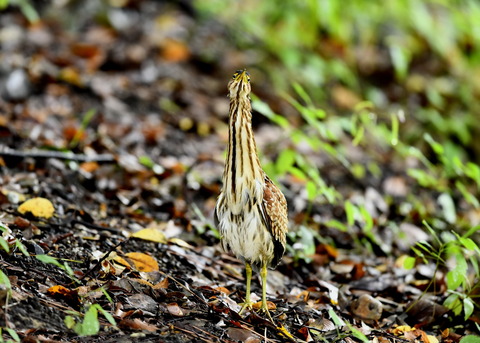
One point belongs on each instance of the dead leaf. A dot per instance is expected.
(175, 310)
(61, 290)
(38, 207)
(175, 51)
(89, 167)
(162, 284)
(137, 324)
(344, 97)
(143, 262)
(122, 261)
(270, 305)
(180, 243)
(151, 234)
(71, 75)
(223, 290)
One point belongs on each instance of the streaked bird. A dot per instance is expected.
(251, 212)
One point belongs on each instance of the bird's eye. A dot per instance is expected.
(234, 76)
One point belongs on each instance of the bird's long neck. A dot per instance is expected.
(243, 176)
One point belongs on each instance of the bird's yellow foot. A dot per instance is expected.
(246, 305)
(265, 309)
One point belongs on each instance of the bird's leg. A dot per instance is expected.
(248, 274)
(263, 275)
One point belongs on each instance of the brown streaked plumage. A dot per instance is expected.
(251, 212)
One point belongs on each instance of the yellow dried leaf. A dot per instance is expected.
(38, 207)
(180, 243)
(122, 261)
(401, 329)
(151, 234)
(143, 262)
(284, 332)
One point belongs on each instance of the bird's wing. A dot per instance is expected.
(274, 215)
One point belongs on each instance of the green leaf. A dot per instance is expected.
(453, 303)
(90, 325)
(13, 334)
(468, 243)
(395, 129)
(311, 189)
(358, 334)
(337, 225)
(4, 280)
(437, 147)
(350, 211)
(4, 245)
(470, 339)
(263, 108)
(368, 219)
(303, 94)
(146, 161)
(468, 307)
(448, 206)
(336, 319)
(49, 259)
(409, 262)
(285, 161)
(3, 4)
(400, 58)
(107, 315)
(69, 322)
(21, 247)
(456, 276)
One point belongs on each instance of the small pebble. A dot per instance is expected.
(17, 85)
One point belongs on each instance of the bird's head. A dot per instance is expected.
(239, 85)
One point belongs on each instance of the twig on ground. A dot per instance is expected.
(57, 154)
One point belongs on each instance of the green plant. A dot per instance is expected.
(87, 118)
(12, 333)
(25, 6)
(459, 254)
(7, 241)
(64, 266)
(90, 325)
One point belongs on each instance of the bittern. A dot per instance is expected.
(251, 212)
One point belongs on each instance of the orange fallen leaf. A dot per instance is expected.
(162, 284)
(63, 292)
(58, 289)
(143, 262)
(270, 305)
(89, 166)
(175, 51)
(38, 207)
(223, 290)
(122, 261)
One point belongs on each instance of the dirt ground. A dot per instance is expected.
(120, 121)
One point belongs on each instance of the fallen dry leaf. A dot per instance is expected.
(175, 310)
(38, 207)
(143, 262)
(151, 234)
(137, 324)
(270, 305)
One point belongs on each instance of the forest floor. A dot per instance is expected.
(122, 127)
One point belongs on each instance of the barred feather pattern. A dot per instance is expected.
(251, 212)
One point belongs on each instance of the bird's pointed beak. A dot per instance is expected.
(242, 76)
